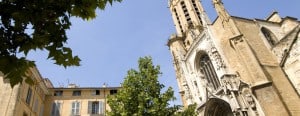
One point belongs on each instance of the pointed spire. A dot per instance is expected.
(221, 11)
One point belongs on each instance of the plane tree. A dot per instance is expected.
(27, 25)
(143, 95)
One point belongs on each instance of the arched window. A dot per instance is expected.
(271, 38)
(209, 72)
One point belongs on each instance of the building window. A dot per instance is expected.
(95, 107)
(77, 93)
(56, 109)
(58, 93)
(112, 92)
(28, 97)
(96, 92)
(209, 72)
(271, 38)
(75, 108)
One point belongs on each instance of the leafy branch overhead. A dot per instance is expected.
(39, 24)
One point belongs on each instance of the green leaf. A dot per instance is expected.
(141, 93)
(29, 80)
(39, 24)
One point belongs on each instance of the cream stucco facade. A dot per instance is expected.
(78, 101)
(22, 99)
(233, 65)
(43, 99)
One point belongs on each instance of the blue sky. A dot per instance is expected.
(112, 43)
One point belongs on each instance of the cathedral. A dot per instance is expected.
(235, 66)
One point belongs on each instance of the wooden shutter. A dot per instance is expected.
(101, 107)
(90, 107)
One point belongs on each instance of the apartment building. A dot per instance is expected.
(78, 101)
(43, 99)
(24, 99)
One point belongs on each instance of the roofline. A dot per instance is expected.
(85, 88)
(231, 16)
(289, 17)
(255, 19)
(274, 12)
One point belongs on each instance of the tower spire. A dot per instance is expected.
(225, 17)
(221, 11)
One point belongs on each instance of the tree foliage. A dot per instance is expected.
(189, 111)
(141, 93)
(27, 25)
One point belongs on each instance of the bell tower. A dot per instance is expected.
(190, 21)
(228, 67)
(189, 18)
(187, 14)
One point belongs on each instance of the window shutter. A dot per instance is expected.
(73, 107)
(89, 107)
(101, 108)
(57, 113)
(78, 107)
(36, 103)
(53, 109)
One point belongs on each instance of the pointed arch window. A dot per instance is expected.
(209, 72)
(271, 38)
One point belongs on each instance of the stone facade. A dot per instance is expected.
(23, 99)
(235, 66)
(42, 99)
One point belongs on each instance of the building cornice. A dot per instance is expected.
(78, 88)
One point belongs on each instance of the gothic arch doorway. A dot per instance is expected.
(217, 107)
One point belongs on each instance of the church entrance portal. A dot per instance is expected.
(217, 107)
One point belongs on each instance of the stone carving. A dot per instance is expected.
(217, 2)
(239, 93)
(193, 34)
(187, 93)
(249, 101)
(217, 58)
(230, 83)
